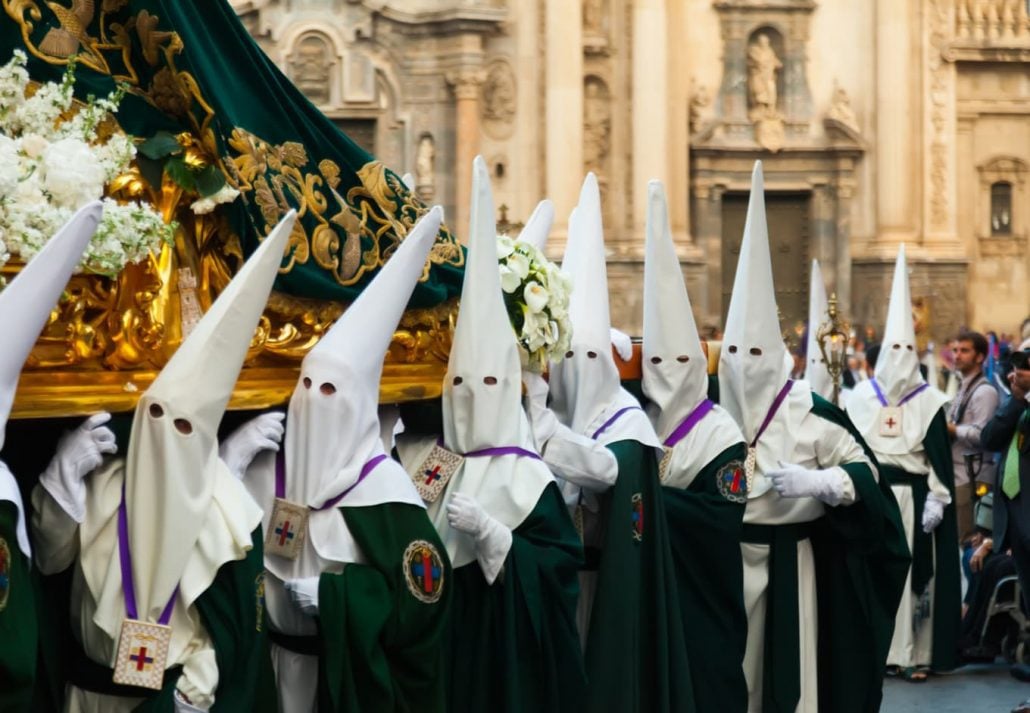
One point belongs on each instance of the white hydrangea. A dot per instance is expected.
(51, 164)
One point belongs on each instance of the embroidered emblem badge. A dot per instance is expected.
(286, 529)
(637, 516)
(5, 573)
(432, 476)
(890, 421)
(423, 571)
(663, 464)
(142, 654)
(732, 482)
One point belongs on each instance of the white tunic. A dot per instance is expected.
(97, 601)
(798, 436)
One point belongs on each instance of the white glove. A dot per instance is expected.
(79, 453)
(262, 433)
(623, 344)
(795, 481)
(182, 705)
(541, 419)
(933, 513)
(493, 540)
(304, 594)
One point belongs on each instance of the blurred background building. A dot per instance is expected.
(878, 121)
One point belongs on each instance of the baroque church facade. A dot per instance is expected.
(878, 122)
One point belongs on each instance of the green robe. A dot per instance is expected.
(18, 623)
(380, 643)
(861, 562)
(704, 530)
(513, 645)
(636, 655)
(232, 611)
(933, 555)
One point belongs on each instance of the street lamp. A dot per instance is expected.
(832, 337)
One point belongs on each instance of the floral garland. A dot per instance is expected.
(536, 294)
(53, 162)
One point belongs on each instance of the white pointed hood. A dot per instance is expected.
(538, 227)
(585, 385)
(753, 363)
(675, 368)
(478, 414)
(25, 306)
(816, 373)
(482, 394)
(26, 303)
(172, 461)
(332, 427)
(897, 367)
(897, 374)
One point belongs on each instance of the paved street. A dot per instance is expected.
(974, 689)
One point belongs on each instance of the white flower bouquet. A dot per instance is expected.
(536, 294)
(53, 161)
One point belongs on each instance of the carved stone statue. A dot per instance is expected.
(762, 66)
(593, 15)
(700, 100)
(841, 111)
(499, 94)
(597, 126)
(310, 66)
(425, 156)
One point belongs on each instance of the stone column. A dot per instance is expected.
(897, 144)
(650, 105)
(678, 160)
(465, 83)
(563, 98)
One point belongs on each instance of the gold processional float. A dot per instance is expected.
(110, 335)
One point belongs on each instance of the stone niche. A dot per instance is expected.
(764, 110)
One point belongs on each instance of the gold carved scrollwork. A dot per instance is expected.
(351, 236)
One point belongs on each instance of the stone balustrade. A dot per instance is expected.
(993, 21)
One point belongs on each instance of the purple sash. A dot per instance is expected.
(280, 480)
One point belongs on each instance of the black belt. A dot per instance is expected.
(922, 542)
(87, 674)
(309, 645)
(781, 674)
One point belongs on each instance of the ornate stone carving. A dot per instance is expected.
(499, 100)
(700, 101)
(597, 126)
(466, 82)
(840, 109)
(425, 157)
(940, 92)
(593, 16)
(310, 66)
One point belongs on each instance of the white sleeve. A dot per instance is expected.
(199, 678)
(580, 460)
(56, 533)
(836, 447)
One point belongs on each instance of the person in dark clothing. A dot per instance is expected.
(1007, 432)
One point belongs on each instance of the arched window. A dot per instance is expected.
(1001, 208)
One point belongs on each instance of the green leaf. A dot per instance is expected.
(179, 172)
(151, 170)
(209, 181)
(160, 145)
